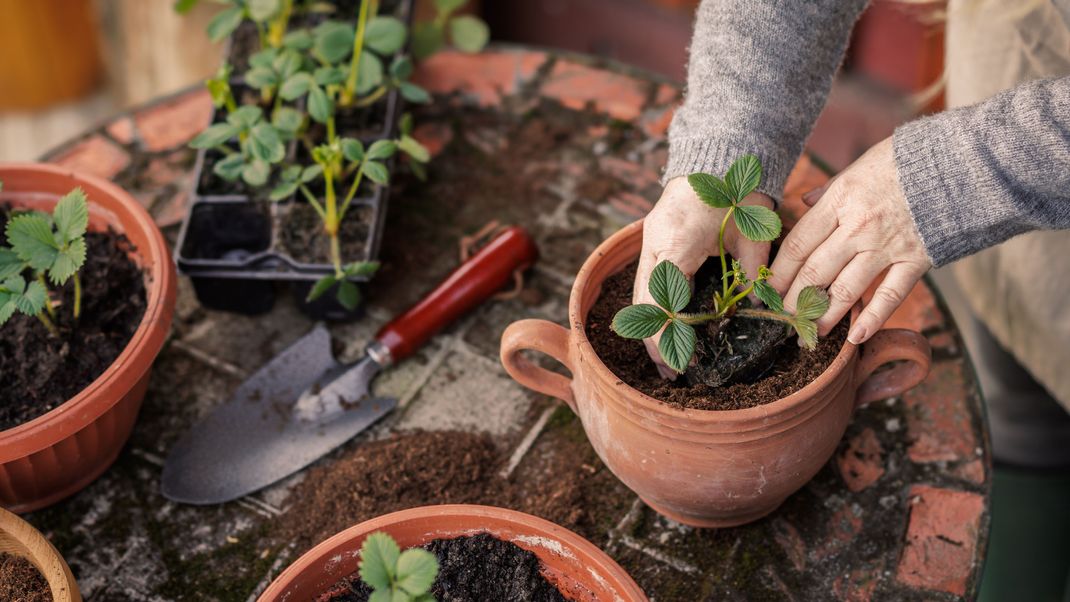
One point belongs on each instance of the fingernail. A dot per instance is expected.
(858, 333)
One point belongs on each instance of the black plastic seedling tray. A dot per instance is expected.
(232, 243)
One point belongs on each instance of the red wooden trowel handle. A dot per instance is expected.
(484, 274)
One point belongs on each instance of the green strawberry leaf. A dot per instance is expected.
(468, 33)
(266, 144)
(807, 331)
(711, 190)
(378, 559)
(639, 321)
(215, 135)
(411, 147)
(370, 73)
(352, 149)
(30, 236)
(382, 149)
(230, 167)
(385, 35)
(744, 176)
(348, 294)
(10, 264)
(416, 571)
(359, 269)
(320, 106)
(812, 303)
(322, 286)
(768, 295)
(224, 24)
(71, 215)
(677, 345)
(670, 287)
(68, 261)
(757, 223)
(333, 41)
(376, 172)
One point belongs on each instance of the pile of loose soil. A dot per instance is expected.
(20, 581)
(792, 367)
(475, 568)
(38, 371)
(567, 484)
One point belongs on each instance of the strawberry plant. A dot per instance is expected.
(271, 18)
(251, 146)
(396, 576)
(672, 292)
(465, 32)
(43, 248)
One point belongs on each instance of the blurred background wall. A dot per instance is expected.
(66, 64)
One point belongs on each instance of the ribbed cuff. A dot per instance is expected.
(713, 156)
(922, 153)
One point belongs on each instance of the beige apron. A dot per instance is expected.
(1021, 288)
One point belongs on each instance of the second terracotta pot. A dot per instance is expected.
(58, 453)
(705, 468)
(574, 565)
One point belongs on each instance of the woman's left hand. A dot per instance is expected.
(858, 226)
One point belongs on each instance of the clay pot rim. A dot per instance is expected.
(804, 396)
(605, 565)
(39, 551)
(87, 405)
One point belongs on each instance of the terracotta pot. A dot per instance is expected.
(705, 468)
(19, 538)
(570, 562)
(62, 451)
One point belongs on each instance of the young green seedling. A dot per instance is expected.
(270, 16)
(46, 245)
(397, 576)
(465, 32)
(260, 145)
(672, 292)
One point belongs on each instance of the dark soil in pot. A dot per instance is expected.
(38, 371)
(471, 569)
(561, 479)
(773, 372)
(301, 234)
(20, 581)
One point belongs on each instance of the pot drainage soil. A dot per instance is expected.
(789, 369)
(20, 581)
(560, 479)
(474, 568)
(38, 372)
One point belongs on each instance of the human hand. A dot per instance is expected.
(858, 226)
(684, 230)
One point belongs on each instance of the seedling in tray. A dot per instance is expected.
(672, 292)
(43, 248)
(396, 576)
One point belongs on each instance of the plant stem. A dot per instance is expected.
(697, 318)
(330, 130)
(720, 243)
(48, 324)
(370, 99)
(352, 191)
(48, 300)
(765, 314)
(728, 304)
(77, 296)
(261, 34)
(330, 221)
(277, 28)
(350, 89)
(312, 201)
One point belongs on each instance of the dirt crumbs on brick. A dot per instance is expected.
(792, 369)
(20, 581)
(560, 480)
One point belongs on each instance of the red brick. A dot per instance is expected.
(656, 125)
(172, 211)
(862, 463)
(631, 204)
(628, 171)
(434, 136)
(485, 77)
(941, 540)
(945, 341)
(938, 419)
(575, 86)
(175, 122)
(666, 94)
(95, 156)
(858, 585)
(973, 471)
(161, 171)
(918, 311)
(122, 130)
(791, 542)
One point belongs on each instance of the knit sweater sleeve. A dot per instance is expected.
(758, 76)
(976, 176)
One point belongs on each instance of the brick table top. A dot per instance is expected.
(901, 512)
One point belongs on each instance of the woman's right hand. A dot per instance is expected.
(682, 229)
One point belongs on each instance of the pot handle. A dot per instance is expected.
(548, 338)
(894, 344)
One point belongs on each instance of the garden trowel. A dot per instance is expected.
(303, 403)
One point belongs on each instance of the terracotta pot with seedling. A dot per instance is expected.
(87, 292)
(682, 445)
(472, 552)
(293, 173)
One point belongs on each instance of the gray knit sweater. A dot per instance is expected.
(760, 72)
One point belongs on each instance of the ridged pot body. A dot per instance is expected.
(574, 565)
(704, 468)
(55, 455)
